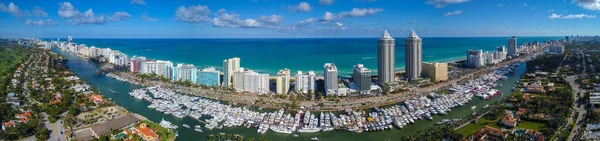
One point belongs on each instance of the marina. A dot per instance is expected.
(166, 101)
(83, 67)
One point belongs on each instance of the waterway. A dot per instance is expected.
(86, 70)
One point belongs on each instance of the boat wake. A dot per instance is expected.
(367, 58)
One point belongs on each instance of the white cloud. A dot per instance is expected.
(273, 19)
(457, 12)
(193, 14)
(302, 7)
(326, 2)
(47, 22)
(551, 10)
(119, 16)
(88, 17)
(233, 20)
(572, 16)
(37, 11)
(501, 5)
(68, 11)
(338, 24)
(525, 4)
(579, 16)
(354, 13)
(554, 16)
(13, 9)
(145, 17)
(306, 22)
(443, 3)
(589, 4)
(140, 2)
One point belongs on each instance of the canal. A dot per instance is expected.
(86, 70)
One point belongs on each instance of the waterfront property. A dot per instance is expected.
(414, 56)
(230, 66)
(305, 82)
(386, 60)
(331, 78)
(435, 71)
(512, 47)
(209, 77)
(282, 81)
(249, 81)
(362, 77)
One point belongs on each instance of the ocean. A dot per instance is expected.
(305, 54)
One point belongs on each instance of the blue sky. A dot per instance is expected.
(296, 18)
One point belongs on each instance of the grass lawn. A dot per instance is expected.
(531, 125)
(469, 129)
(473, 127)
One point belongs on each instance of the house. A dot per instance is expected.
(521, 112)
(25, 117)
(8, 124)
(509, 121)
(489, 133)
(15, 101)
(146, 132)
(534, 89)
(533, 135)
(97, 99)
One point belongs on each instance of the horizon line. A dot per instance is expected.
(282, 37)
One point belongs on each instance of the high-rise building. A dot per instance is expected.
(475, 58)
(512, 47)
(250, 81)
(556, 49)
(164, 69)
(362, 77)
(283, 81)
(305, 82)
(209, 77)
(135, 65)
(386, 58)
(230, 66)
(185, 72)
(414, 60)
(330, 75)
(435, 71)
(70, 39)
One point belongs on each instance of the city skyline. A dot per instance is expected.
(296, 19)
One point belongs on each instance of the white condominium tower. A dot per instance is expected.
(330, 75)
(414, 59)
(185, 72)
(512, 47)
(386, 58)
(305, 82)
(250, 81)
(283, 81)
(230, 66)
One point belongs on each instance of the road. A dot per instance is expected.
(56, 129)
(577, 93)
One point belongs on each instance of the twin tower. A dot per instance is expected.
(386, 56)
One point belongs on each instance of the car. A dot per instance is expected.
(61, 132)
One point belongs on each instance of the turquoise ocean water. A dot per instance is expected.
(271, 55)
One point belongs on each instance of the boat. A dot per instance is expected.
(112, 91)
(186, 126)
(314, 138)
(198, 130)
(197, 126)
(473, 107)
(295, 135)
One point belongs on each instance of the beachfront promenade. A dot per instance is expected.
(344, 103)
